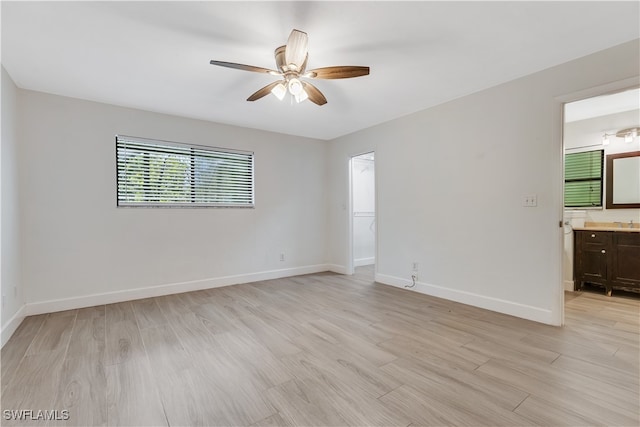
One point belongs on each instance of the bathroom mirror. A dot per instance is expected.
(623, 180)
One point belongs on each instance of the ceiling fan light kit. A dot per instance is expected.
(291, 63)
(279, 91)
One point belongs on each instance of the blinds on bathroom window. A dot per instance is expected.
(583, 179)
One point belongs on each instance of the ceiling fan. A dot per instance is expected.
(291, 62)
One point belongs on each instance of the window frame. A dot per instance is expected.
(193, 156)
(602, 180)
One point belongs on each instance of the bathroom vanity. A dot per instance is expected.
(607, 254)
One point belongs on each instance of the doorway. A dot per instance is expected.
(595, 128)
(363, 215)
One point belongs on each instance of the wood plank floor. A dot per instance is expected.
(328, 350)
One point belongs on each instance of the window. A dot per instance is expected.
(583, 179)
(169, 174)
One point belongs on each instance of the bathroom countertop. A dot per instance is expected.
(609, 226)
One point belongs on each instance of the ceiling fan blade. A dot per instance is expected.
(263, 92)
(339, 72)
(314, 93)
(244, 67)
(296, 50)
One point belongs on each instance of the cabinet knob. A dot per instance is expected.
(603, 251)
(593, 235)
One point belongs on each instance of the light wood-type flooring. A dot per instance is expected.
(327, 350)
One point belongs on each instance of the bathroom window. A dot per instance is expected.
(153, 173)
(583, 179)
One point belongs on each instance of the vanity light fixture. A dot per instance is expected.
(628, 134)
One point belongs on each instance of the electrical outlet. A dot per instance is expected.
(282, 257)
(414, 275)
(530, 200)
(415, 266)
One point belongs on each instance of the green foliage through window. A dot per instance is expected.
(583, 179)
(157, 173)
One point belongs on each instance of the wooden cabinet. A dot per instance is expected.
(607, 258)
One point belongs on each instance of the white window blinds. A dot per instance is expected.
(169, 174)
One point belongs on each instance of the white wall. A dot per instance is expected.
(80, 249)
(11, 284)
(450, 182)
(588, 132)
(364, 209)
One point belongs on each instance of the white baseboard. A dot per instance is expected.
(52, 306)
(569, 285)
(10, 327)
(364, 261)
(494, 304)
(335, 268)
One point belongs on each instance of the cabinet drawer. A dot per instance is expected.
(627, 238)
(598, 237)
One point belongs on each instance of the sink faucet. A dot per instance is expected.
(631, 223)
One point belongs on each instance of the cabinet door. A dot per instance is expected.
(592, 255)
(625, 269)
(593, 265)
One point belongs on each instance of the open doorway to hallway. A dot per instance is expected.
(363, 215)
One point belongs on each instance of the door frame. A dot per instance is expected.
(606, 89)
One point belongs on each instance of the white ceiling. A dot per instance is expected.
(604, 105)
(155, 55)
